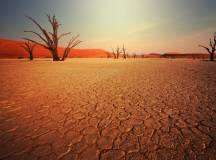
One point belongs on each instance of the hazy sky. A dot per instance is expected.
(142, 25)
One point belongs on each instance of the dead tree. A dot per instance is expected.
(134, 55)
(124, 52)
(50, 40)
(212, 48)
(116, 53)
(29, 47)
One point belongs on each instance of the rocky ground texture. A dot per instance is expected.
(105, 109)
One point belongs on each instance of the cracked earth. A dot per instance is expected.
(105, 109)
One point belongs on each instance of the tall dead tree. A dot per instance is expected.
(116, 52)
(212, 48)
(124, 52)
(29, 48)
(50, 40)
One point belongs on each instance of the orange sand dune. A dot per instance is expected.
(13, 49)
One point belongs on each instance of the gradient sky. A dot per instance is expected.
(142, 25)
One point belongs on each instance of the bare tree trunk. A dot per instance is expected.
(31, 56)
(211, 56)
(55, 55)
(124, 52)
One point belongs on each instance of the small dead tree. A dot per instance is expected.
(124, 52)
(51, 39)
(116, 53)
(29, 47)
(134, 55)
(212, 48)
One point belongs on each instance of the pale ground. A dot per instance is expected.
(107, 109)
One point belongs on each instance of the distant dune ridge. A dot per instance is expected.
(13, 49)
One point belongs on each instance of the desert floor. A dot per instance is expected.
(107, 109)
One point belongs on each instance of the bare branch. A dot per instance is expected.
(49, 40)
(36, 42)
(37, 35)
(76, 43)
(64, 34)
(113, 52)
(74, 40)
(214, 42)
(35, 22)
(210, 43)
(72, 43)
(25, 48)
(204, 47)
(212, 48)
(215, 37)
